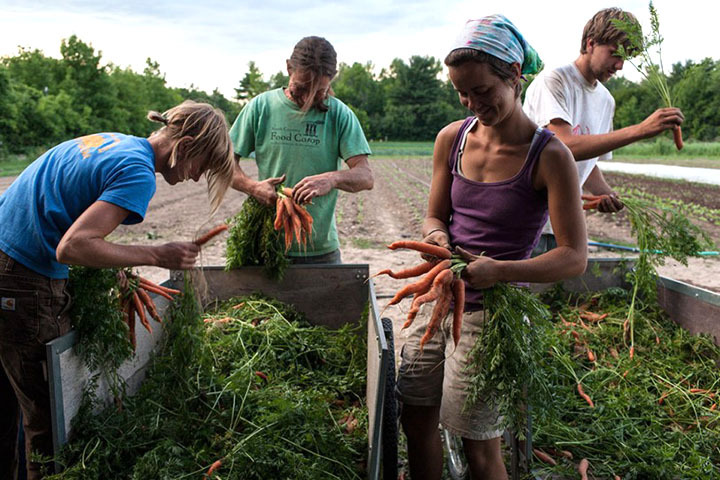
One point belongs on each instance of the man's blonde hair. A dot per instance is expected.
(602, 29)
(207, 127)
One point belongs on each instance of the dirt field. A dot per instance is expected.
(393, 210)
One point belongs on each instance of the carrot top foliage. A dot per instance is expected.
(253, 240)
(653, 415)
(251, 384)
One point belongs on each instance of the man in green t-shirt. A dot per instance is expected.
(299, 135)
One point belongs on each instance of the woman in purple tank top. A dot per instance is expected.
(495, 177)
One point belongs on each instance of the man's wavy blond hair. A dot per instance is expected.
(207, 127)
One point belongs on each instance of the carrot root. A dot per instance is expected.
(210, 234)
(677, 136)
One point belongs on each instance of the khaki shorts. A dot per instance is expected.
(435, 378)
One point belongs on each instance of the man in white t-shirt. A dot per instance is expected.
(573, 103)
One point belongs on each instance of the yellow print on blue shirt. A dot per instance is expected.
(97, 142)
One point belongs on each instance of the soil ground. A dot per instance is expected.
(393, 210)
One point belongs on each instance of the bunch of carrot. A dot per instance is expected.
(293, 218)
(135, 298)
(441, 284)
(135, 292)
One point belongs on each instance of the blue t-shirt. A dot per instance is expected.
(52, 192)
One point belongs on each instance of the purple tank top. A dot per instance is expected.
(502, 219)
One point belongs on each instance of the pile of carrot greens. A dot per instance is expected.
(251, 388)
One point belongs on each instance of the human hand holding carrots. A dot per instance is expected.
(481, 271)
(266, 191)
(608, 203)
(440, 283)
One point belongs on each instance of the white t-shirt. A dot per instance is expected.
(565, 94)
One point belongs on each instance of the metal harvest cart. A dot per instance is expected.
(330, 295)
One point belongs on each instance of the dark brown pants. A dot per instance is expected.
(33, 311)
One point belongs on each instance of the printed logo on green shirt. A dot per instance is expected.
(296, 136)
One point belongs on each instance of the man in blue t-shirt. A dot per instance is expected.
(58, 212)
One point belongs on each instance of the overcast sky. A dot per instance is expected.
(209, 43)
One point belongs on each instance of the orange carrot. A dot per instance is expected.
(592, 205)
(210, 234)
(279, 212)
(590, 355)
(442, 306)
(584, 395)
(677, 136)
(592, 317)
(295, 219)
(287, 225)
(544, 457)
(408, 272)
(141, 312)
(422, 247)
(153, 284)
(305, 218)
(699, 390)
(216, 464)
(435, 290)
(153, 289)
(424, 283)
(583, 468)
(458, 291)
(145, 298)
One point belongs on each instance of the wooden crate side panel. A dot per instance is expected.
(327, 296)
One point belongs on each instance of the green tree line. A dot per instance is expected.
(44, 100)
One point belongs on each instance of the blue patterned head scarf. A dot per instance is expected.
(497, 36)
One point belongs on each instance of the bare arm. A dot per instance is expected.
(584, 147)
(357, 177)
(557, 173)
(84, 244)
(435, 225)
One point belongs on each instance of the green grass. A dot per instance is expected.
(14, 163)
(401, 149)
(663, 150)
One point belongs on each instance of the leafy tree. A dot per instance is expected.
(251, 85)
(697, 94)
(417, 105)
(279, 80)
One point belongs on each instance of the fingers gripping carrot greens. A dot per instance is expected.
(253, 240)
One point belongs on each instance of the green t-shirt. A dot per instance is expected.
(287, 141)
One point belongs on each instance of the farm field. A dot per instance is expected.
(394, 209)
